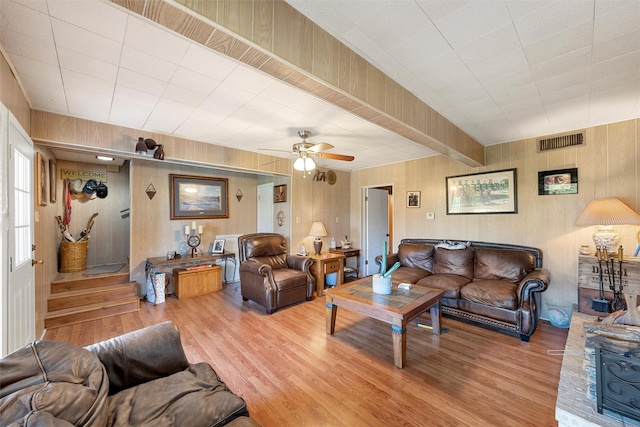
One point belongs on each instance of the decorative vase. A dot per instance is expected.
(381, 285)
(585, 250)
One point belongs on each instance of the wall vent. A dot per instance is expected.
(561, 141)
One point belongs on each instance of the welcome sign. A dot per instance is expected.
(83, 175)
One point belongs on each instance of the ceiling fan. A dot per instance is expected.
(304, 151)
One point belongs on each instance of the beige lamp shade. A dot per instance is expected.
(605, 213)
(317, 230)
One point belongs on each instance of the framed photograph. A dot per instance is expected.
(482, 193)
(218, 246)
(559, 181)
(53, 182)
(41, 173)
(280, 193)
(413, 199)
(198, 197)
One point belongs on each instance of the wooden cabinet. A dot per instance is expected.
(197, 281)
(349, 272)
(324, 264)
(589, 280)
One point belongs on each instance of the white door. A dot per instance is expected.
(265, 208)
(376, 226)
(18, 289)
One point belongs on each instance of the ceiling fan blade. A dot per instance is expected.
(322, 146)
(334, 156)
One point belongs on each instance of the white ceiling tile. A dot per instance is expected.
(167, 116)
(155, 41)
(555, 18)
(571, 114)
(183, 96)
(29, 47)
(578, 59)
(578, 38)
(463, 25)
(207, 62)
(489, 46)
(513, 61)
(85, 42)
(79, 63)
(622, 45)
(39, 5)
(521, 8)
(248, 80)
(35, 70)
(436, 10)
(194, 82)
(25, 20)
(615, 18)
(92, 15)
(138, 81)
(147, 64)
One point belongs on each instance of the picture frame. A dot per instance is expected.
(558, 181)
(53, 180)
(41, 173)
(198, 197)
(494, 192)
(280, 193)
(413, 199)
(218, 246)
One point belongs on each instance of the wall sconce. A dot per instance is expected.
(239, 195)
(151, 191)
(280, 217)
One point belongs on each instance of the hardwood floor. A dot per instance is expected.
(292, 374)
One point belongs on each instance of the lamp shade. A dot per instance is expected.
(318, 229)
(141, 147)
(610, 211)
(605, 213)
(304, 164)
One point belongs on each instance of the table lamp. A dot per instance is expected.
(605, 213)
(318, 231)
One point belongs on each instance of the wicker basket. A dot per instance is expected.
(73, 256)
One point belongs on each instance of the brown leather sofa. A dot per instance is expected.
(490, 283)
(269, 275)
(140, 378)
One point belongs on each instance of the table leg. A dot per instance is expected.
(435, 318)
(399, 335)
(331, 311)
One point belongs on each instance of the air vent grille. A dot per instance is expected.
(560, 141)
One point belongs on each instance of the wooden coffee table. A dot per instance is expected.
(398, 309)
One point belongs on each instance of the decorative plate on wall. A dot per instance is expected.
(331, 177)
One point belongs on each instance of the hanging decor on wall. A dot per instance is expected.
(482, 193)
(151, 191)
(194, 197)
(239, 195)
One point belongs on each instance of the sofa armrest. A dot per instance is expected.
(391, 259)
(141, 356)
(536, 281)
(299, 262)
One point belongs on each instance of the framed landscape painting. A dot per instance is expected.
(198, 197)
(482, 193)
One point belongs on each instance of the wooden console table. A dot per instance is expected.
(164, 265)
(327, 263)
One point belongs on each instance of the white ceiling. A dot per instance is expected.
(500, 70)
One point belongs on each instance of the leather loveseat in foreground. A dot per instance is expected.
(491, 283)
(140, 378)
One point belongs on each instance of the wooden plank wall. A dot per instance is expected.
(608, 166)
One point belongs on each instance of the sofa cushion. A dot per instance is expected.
(61, 379)
(457, 262)
(449, 283)
(275, 261)
(193, 397)
(416, 255)
(494, 293)
(287, 278)
(500, 264)
(409, 274)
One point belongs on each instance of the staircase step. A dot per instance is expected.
(81, 297)
(71, 316)
(65, 285)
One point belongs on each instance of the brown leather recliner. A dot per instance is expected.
(269, 275)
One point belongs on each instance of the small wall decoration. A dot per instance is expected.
(53, 181)
(413, 199)
(218, 246)
(194, 197)
(41, 173)
(482, 193)
(280, 193)
(559, 181)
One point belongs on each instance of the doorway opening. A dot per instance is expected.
(377, 224)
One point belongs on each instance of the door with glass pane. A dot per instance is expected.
(18, 293)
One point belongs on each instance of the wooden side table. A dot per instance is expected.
(348, 253)
(327, 263)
